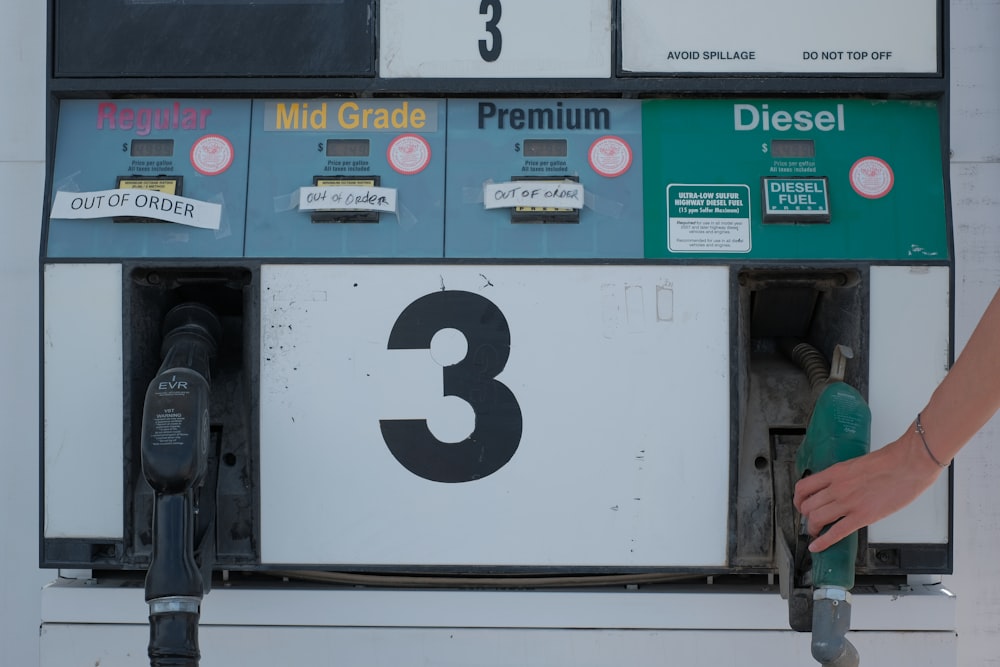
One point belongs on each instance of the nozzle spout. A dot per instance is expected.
(831, 621)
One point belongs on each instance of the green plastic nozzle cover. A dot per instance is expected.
(839, 429)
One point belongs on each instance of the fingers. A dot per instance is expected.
(806, 488)
(823, 515)
(837, 532)
(810, 485)
(816, 502)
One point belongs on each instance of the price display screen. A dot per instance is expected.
(347, 147)
(793, 148)
(152, 148)
(544, 148)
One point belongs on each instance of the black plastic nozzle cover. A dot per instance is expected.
(174, 449)
(175, 429)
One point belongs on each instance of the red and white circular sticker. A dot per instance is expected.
(871, 177)
(409, 154)
(610, 156)
(212, 154)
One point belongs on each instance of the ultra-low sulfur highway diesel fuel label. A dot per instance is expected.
(708, 218)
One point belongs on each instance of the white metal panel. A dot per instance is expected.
(691, 607)
(908, 358)
(111, 646)
(853, 36)
(621, 374)
(82, 341)
(519, 38)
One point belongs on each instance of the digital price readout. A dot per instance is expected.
(348, 147)
(152, 148)
(793, 148)
(544, 148)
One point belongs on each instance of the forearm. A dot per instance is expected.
(970, 393)
(860, 491)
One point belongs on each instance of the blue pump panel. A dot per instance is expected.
(544, 178)
(178, 164)
(347, 178)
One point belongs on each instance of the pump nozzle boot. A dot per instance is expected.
(174, 448)
(839, 429)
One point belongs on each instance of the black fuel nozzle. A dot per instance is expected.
(174, 448)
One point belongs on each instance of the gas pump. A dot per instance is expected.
(397, 362)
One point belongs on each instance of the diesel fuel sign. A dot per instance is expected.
(796, 200)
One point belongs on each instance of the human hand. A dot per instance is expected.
(858, 492)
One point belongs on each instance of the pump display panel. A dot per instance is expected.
(378, 162)
(731, 178)
(180, 165)
(572, 166)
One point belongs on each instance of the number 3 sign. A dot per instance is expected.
(473, 379)
(425, 415)
(495, 38)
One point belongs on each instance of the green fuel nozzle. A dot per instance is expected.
(839, 429)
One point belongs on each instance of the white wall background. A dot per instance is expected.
(975, 176)
(22, 174)
(975, 172)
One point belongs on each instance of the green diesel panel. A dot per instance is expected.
(839, 179)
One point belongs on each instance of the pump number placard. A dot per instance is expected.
(495, 38)
(494, 415)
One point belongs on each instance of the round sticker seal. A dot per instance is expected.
(610, 156)
(409, 154)
(212, 154)
(871, 177)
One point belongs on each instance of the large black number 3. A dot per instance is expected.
(497, 432)
(491, 52)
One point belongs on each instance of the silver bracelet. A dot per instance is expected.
(923, 439)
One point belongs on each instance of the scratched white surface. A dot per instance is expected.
(622, 376)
